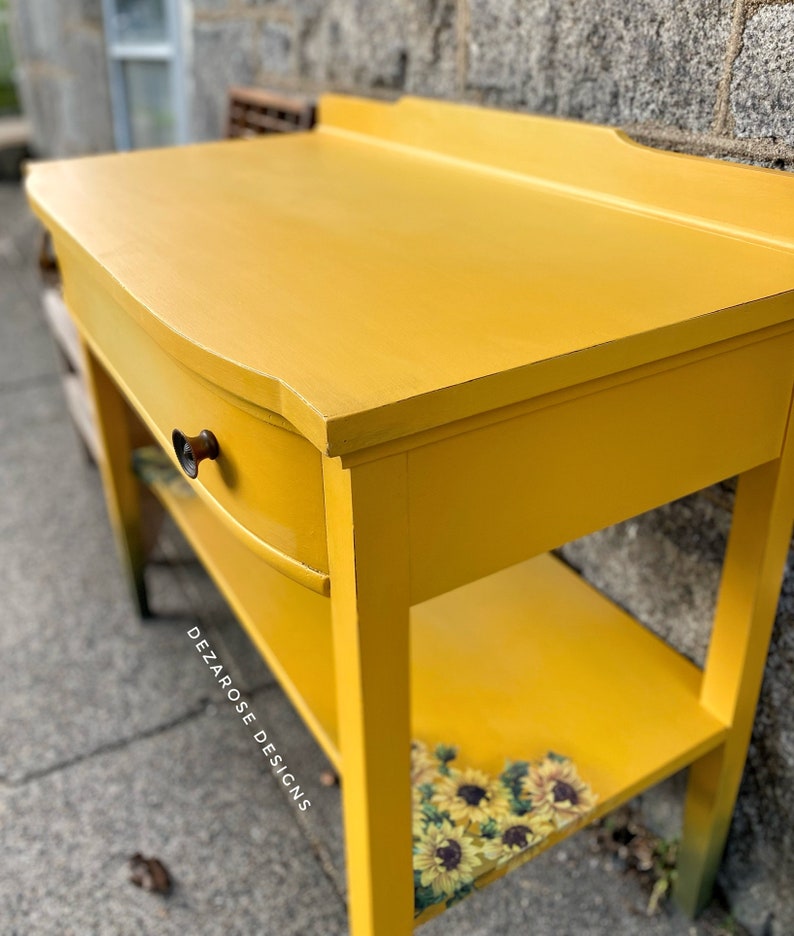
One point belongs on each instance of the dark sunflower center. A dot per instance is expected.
(516, 836)
(449, 855)
(472, 795)
(564, 791)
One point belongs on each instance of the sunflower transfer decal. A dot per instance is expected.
(467, 822)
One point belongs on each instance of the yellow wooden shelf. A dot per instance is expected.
(526, 661)
(534, 659)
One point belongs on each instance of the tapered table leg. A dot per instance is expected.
(754, 565)
(121, 487)
(367, 531)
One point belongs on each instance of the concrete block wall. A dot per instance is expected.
(713, 77)
(710, 77)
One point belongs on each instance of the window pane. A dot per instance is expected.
(140, 21)
(151, 115)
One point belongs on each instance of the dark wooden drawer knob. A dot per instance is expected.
(192, 450)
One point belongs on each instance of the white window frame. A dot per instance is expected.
(169, 52)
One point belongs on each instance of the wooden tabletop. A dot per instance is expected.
(406, 265)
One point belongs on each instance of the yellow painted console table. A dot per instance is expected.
(431, 343)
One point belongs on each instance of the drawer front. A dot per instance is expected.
(267, 478)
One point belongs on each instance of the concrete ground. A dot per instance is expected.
(116, 739)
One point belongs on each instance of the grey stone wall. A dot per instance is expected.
(712, 77)
(63, 81)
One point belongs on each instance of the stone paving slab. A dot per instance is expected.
(20, 230)
(322, 822)
(27, 350)
(82, 671)
(196, 797)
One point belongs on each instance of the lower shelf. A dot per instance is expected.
(534, 659)
(528, 661)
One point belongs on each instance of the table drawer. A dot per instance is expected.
(267, 480)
